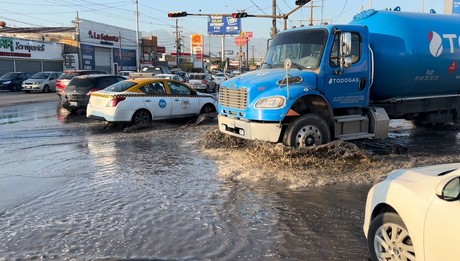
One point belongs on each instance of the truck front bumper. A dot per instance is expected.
(249, 130)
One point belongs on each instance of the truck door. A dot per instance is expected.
(348, 86)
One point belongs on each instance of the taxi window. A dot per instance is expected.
(120, 86)
(177, 88)
(156, 88)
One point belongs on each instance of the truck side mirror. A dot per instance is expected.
(345, 50)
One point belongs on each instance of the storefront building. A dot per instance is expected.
(101, 45)
(19, 55)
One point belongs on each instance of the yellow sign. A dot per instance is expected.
(197, 39)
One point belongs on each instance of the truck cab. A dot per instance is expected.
(313, 87)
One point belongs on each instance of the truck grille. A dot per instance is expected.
(233, 98)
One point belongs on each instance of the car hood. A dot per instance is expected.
(35, 80)
(416, 174)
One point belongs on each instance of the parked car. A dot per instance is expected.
(12, 81)
(170, 76)
(79, 89)
(414, 214)
(41, 81)
(141, 100)
(202, 82)
(65, 78)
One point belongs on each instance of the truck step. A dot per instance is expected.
(354, 136)
(348, 118)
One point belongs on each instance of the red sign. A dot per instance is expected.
(249, 34)
(161, 49)
(241, 41)
(453, 67)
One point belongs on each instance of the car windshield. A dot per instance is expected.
(8, 76)
(120, 86)
(304, 48)
(40, 75)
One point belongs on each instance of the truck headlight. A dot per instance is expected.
(271, 102)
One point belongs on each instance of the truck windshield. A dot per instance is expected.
(303, 47)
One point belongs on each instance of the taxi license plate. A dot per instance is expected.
(73, 104)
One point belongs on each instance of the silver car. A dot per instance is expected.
(41, 82)
(202, 82)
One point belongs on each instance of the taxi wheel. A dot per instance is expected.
(207, 108)
(141, 117)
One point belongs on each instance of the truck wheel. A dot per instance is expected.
(308, 130)
(388, 237)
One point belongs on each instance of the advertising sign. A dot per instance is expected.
(241, 41)
(87, 54)
(14, 48)
(128, 61)
(456, 7)
(223, 25)
(71, 61)
(196, 42)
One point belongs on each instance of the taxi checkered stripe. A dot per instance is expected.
(145, 95)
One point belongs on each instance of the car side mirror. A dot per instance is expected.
(449, 189)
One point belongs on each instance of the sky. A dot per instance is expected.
(153, 13)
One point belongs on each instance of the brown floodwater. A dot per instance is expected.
(76, 189)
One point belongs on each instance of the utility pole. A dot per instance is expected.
(177, 44)
(138, 56)
(274, 19)
(77, 29)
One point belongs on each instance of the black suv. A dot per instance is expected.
(65, 78)
(12, 81)
(79, 89)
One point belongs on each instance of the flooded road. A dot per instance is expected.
(73, 189)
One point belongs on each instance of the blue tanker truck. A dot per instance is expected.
(345, 82)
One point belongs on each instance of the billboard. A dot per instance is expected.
(456, 7)
(219, 24)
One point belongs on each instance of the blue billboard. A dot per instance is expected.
(87, 57)
(128, 61)
(456, 7)
(224, 25)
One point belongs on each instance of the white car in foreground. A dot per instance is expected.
(142, 100)
(414, 214)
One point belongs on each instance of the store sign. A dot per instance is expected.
(106, 35)
(108, 39)
(15, 48)
(196, 43)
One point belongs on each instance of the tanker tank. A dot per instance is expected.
(415, 54)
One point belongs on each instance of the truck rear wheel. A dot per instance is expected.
(307, 130)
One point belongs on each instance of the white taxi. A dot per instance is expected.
(142, 100)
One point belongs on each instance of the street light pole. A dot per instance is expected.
(137, 38)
